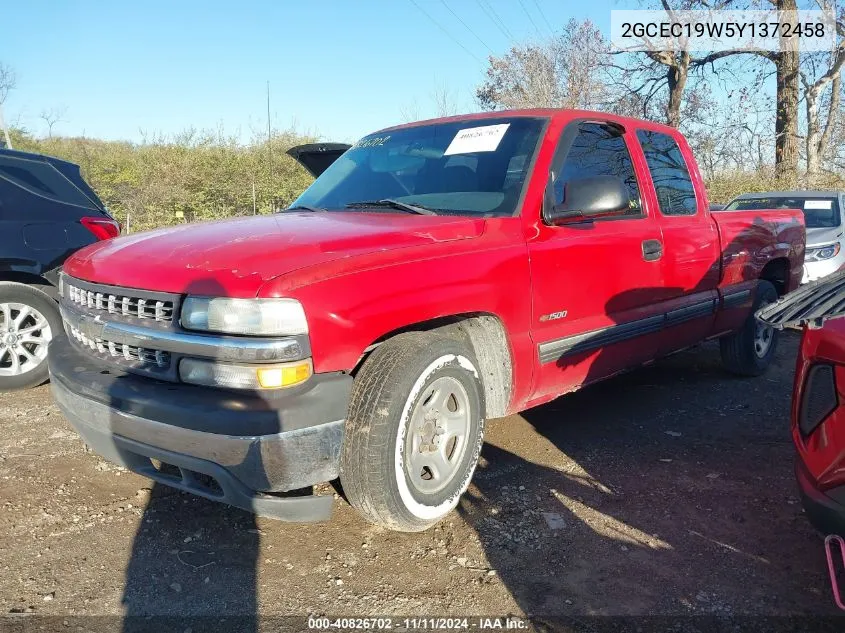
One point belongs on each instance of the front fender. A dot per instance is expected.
(349, 311)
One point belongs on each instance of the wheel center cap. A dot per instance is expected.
(11, 338)
(429, 433)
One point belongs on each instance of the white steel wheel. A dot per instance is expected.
(414, 431)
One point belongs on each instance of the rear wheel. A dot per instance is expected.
(750, 350)
(414, 431)
(29, 319)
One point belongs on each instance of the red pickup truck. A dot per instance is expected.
(433, 276)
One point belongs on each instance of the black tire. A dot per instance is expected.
(12, 292)
(373, 464)
(739, 355)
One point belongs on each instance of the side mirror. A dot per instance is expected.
(588, 198)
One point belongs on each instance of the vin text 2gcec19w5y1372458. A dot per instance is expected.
(433, 276)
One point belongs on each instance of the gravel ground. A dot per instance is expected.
(665, 491)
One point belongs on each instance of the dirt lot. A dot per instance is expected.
(666, 491)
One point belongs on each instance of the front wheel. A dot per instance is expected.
(414, 431)
(750, 350)
(29, 319)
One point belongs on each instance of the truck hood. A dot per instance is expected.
(236, 257)
(822, 236)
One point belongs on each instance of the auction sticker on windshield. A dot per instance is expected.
(477, 139)
(818, 204)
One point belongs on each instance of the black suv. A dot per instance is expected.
(47, 211)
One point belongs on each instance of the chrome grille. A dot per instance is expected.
(129, 353)
(125, 305)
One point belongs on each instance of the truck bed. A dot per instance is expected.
(751, 240)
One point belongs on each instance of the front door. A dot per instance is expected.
(596, 284)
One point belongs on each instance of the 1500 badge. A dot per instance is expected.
(553, 316)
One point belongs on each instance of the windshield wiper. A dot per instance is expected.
(395, 204)
(306, 207)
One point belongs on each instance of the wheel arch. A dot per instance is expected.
(777, 272)
(487, 337)
(31, 279)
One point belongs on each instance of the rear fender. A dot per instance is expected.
(752, 239)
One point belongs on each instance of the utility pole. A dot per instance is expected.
(5, 129)
(269, 148)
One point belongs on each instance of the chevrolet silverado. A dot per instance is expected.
(433, 276)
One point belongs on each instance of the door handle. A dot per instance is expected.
(652, 250)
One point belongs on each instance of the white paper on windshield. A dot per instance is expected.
(818, 204)
(477, 139)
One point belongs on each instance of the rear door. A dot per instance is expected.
(691, 249)
(596, 284)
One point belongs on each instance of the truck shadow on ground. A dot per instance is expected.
(665, 491)
(193, 564)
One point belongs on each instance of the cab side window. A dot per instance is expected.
(672, 182)
(598, 150)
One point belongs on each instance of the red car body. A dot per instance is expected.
(363, 277)
(818, 396)
(820, 467)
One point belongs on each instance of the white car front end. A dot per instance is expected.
(825, 252)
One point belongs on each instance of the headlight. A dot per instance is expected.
(819, 253)
(213, 374)
(256, 317)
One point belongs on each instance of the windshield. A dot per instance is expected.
(465, 167)
(819, 213)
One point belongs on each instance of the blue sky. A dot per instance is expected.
(336, 68)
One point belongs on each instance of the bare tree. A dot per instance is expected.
(445, 103)
(835, 155)
(667, 72)
(51, 117)
(410, 112)
(822, 106)
(786, 63)
(8, 81)
(731, 132)
(658, 74)
(561, 73)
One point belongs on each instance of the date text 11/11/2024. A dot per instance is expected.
(325, 623)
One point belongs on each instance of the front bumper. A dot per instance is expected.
(237, 448)
(825, 510)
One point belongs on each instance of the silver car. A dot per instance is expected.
(825, 228)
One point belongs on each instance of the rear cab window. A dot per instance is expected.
(669, 173)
